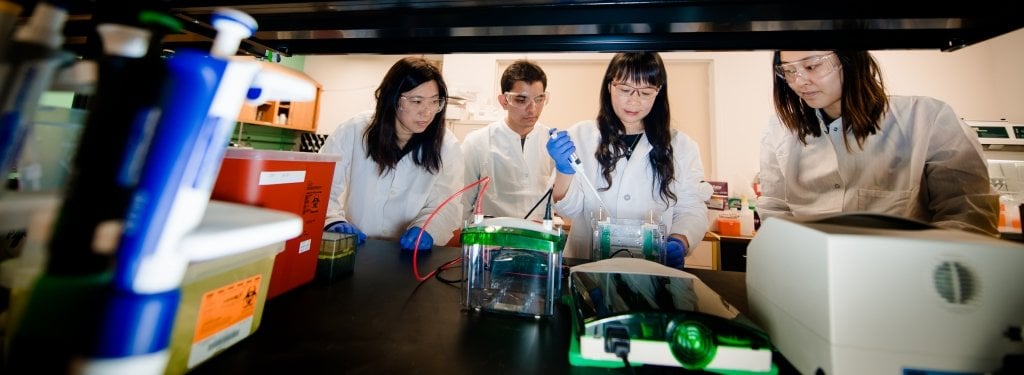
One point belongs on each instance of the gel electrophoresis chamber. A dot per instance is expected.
(631, 238)
(512, 266)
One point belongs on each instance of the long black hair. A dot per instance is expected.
(381, 137)
(641, 68)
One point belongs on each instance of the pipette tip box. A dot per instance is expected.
(337, 257)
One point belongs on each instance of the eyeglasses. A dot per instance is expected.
(812, 67)
(522, 100)
(625, 91)
(421, 104)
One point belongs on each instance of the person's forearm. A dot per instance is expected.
(561, 186)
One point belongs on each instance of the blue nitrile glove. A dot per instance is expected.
(409, 239)
(674, 252)
(560, 148)
(345, 227)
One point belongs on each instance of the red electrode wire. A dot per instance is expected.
(485, 181)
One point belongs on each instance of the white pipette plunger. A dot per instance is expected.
(575, 162)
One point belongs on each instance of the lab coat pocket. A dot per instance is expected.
(883, 201)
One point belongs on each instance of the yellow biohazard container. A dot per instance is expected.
(221, 304)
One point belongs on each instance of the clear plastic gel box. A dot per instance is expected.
(512, 266)
(633, 238)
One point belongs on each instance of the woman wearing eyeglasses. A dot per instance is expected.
(511, 150)
(397, 162)
(840, 144)
(640, 166)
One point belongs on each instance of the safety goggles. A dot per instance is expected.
(523, 100)
(810, 68)
(420, 104)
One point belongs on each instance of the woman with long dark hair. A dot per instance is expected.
(640, 166)
(397, 162)
(841, 144)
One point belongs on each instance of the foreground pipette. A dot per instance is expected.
(575, 161)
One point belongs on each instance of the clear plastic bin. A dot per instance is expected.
(512, 266)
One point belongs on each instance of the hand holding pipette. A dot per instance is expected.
(563, 151)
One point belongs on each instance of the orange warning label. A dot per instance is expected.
(220, 308)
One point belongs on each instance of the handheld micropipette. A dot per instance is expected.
(575, 162)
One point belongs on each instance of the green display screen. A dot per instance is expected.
(998, 132)
(1018, 132)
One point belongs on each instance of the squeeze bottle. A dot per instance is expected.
(746, 218)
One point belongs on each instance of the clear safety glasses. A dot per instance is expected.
(624, 91)
(420, 104)
(523, 100)
(810, 68)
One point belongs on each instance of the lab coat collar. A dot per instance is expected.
(837, 123)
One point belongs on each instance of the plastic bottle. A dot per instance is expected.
(746, 218)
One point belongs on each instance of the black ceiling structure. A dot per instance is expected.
(434, 27)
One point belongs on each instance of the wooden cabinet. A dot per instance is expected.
(289, 115)
(463, 127)
(733, 250)
(706, 254)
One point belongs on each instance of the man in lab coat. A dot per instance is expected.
(512, 151)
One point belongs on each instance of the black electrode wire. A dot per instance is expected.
(441, 268)
(444, 267)
(622, 250)
(546, 196)
(547, 208)
(617, 341)
(625, 361)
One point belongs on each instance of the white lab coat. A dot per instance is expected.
(520, 172)
(385, 206)
(633, 192)
(924, 163)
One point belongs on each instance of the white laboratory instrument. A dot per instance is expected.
(649, 313)
(873, 294)
(1002, 145)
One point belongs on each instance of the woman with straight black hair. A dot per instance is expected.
(398, 162)
(640, 166)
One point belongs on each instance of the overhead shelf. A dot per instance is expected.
(430, 26)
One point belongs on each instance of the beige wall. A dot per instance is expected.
(348, 84)
(981, 82)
